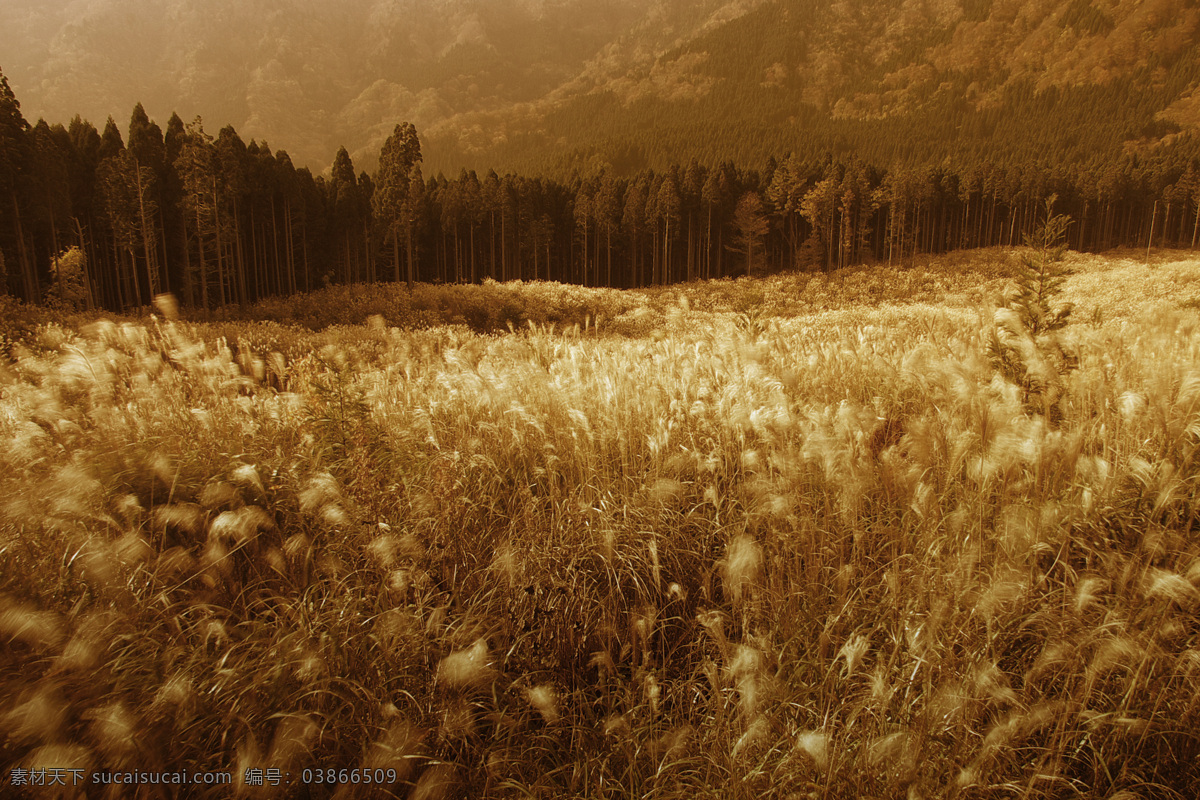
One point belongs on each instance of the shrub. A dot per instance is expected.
(69, 288)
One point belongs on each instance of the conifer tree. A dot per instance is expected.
(69, 287)
(584, 213)
(345, 200)
(668, 205)
(15, 154)
(197, 171)
(818, 207)
(632, 215)
(390, 201)
(414, 218)
(1041, 275)
(490, 204)
(51, 203)
(606, 207)
(1024, 344)
(128, 191)
(786, 193)
(751, 225)
(147, 146)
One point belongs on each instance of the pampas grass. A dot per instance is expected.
(784, 538)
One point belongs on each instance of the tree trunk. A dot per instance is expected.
(239, 256)
(1150, 238)
(457, 255)
(408, 251)
(585, 251)
(133, 278)
(188, 283)
(31, 289)
(708, 246)
(145, 223)
(275, 242)
(291, 246)
(87, 268)
(220, 248)
(1196, 227)
(166, 267)
(690, 251)
(203, 264)
(503, 247)
(262, 277)
(395, 255)
(307, 274)
(608, 262)
(665, 272)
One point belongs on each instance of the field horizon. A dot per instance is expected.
(860, 533)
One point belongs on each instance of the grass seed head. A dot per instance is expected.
(815, 745)
(853, 651)
(167, 305)
(177, 695)
(1088, 592)
(544, 700)
(184, 517)
(42, 630)
(241, 525)
(311, 667)
(1117, 652)
(115, 731)
(755, 734)
(438, 782)
(673, 744)
(39, 717)
(743, 562)
(507, 565)
(64, 757)
(616, 725)
(1161, 584)
(293, 739)
(400, 748)
(383, 550)
(465, 668)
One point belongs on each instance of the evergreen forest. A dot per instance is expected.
(215, 220)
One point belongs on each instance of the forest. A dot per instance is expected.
(109, 219)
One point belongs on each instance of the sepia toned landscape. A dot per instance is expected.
(755, 399)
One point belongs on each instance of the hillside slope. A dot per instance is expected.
(553, 85)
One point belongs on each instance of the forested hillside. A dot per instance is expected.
(216, 220)
(673, 142)
(890, 82)
(548, 87)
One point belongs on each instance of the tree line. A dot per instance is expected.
(217, 221)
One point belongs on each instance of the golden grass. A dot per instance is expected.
(779, 538)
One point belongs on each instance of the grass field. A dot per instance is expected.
(794, 537)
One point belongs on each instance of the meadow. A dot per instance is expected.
(790, 537)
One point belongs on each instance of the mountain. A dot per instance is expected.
(555, 85)
(917, 82)
(306, 75)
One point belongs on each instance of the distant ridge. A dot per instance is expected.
(555, 86)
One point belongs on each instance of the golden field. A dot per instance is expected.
(793, 537)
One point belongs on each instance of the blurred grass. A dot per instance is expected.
(779, 538)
